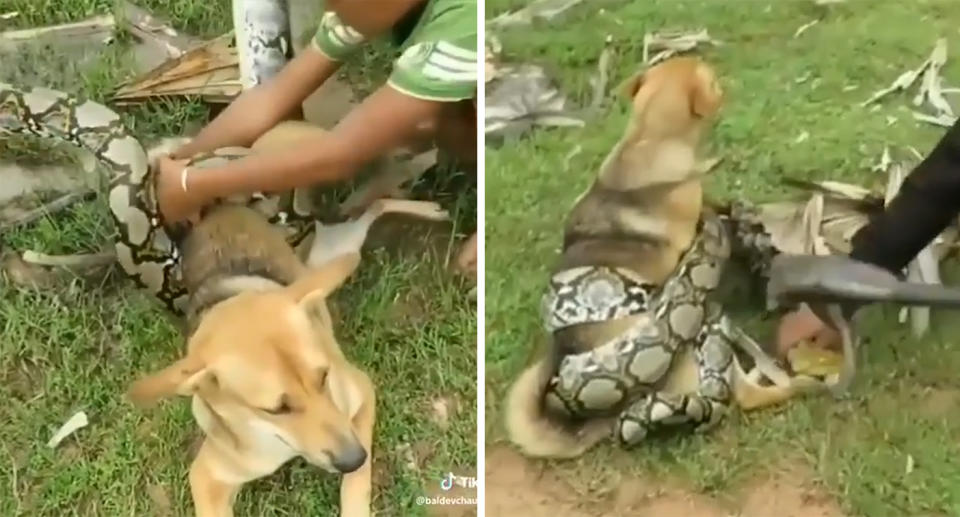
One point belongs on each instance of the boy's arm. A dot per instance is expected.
(260, 108)
(383, 121)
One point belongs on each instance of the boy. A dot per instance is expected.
(433, 83)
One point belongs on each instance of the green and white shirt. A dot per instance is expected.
(438, 59)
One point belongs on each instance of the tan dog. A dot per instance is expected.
(267, 378)
(641, 214)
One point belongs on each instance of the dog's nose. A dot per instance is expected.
(350, 459)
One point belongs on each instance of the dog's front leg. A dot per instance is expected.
(356, 487)
(212, 497)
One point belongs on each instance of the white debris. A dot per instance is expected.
(884, 162)
(545, 10)
(803, 28)
(667, 44)
(77, 421)
(940, 120)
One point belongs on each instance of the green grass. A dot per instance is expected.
(857, 449)
(78, 345)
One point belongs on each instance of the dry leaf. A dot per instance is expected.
(77, 421)
(210, 71)
(904, 81)
(803, 28)
(670, 43)
(524, 97)
(884, 162)
(540, 9)
(942, 119)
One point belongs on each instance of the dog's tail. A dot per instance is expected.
(533, 431)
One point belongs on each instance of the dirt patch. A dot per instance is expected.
(517, 486)
(939, 402)
(789, 493)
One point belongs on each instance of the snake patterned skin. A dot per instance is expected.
(620, 377)
(146, 248)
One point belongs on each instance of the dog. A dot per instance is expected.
(267, 378)
(633, 226)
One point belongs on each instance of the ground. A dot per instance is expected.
(76, 345)
(892, 448)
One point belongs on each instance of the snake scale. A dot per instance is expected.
(146, 248)
(623, 377)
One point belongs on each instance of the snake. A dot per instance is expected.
(623, 377)
(146, 245)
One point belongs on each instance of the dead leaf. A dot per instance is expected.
(76, 422)
(930, 86)
(210, 71)
(667, 44)
(942, 119)
(803, 28)
(546, 10)
(524, 97)
(904, 81)
(884, 162)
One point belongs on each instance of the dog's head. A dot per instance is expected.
(264, 377)
(674, 98)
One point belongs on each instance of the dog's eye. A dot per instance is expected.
(321, 378)
(280, 409)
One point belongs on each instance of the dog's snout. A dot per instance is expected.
(349, 459)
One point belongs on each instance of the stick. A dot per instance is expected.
(52, 207)
(79, 261)
(92, 26)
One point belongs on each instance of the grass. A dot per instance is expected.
(857, 449)
(78, 345)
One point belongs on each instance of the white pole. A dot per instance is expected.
(262, 30)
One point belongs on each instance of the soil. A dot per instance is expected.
(516, 486)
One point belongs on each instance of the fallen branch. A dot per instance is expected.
(97, 25)
(75, 262)
(52, 207)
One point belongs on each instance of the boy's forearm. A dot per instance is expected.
(323, 162)
(259, 109)
(383, 121)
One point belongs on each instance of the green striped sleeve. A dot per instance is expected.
(336, 39)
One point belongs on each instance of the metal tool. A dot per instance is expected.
(834, 287)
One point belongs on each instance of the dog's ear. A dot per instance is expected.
(631, 86)
(707, 94)
(344, 392)
(324, 280)
(180, 378)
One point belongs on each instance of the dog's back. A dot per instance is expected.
(641, 214)
(235, 249)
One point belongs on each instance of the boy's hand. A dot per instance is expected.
(175, 204)
(803, 325)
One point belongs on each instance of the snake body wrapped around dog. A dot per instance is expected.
(146, 248)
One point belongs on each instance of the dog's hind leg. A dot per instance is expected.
(333, 240)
